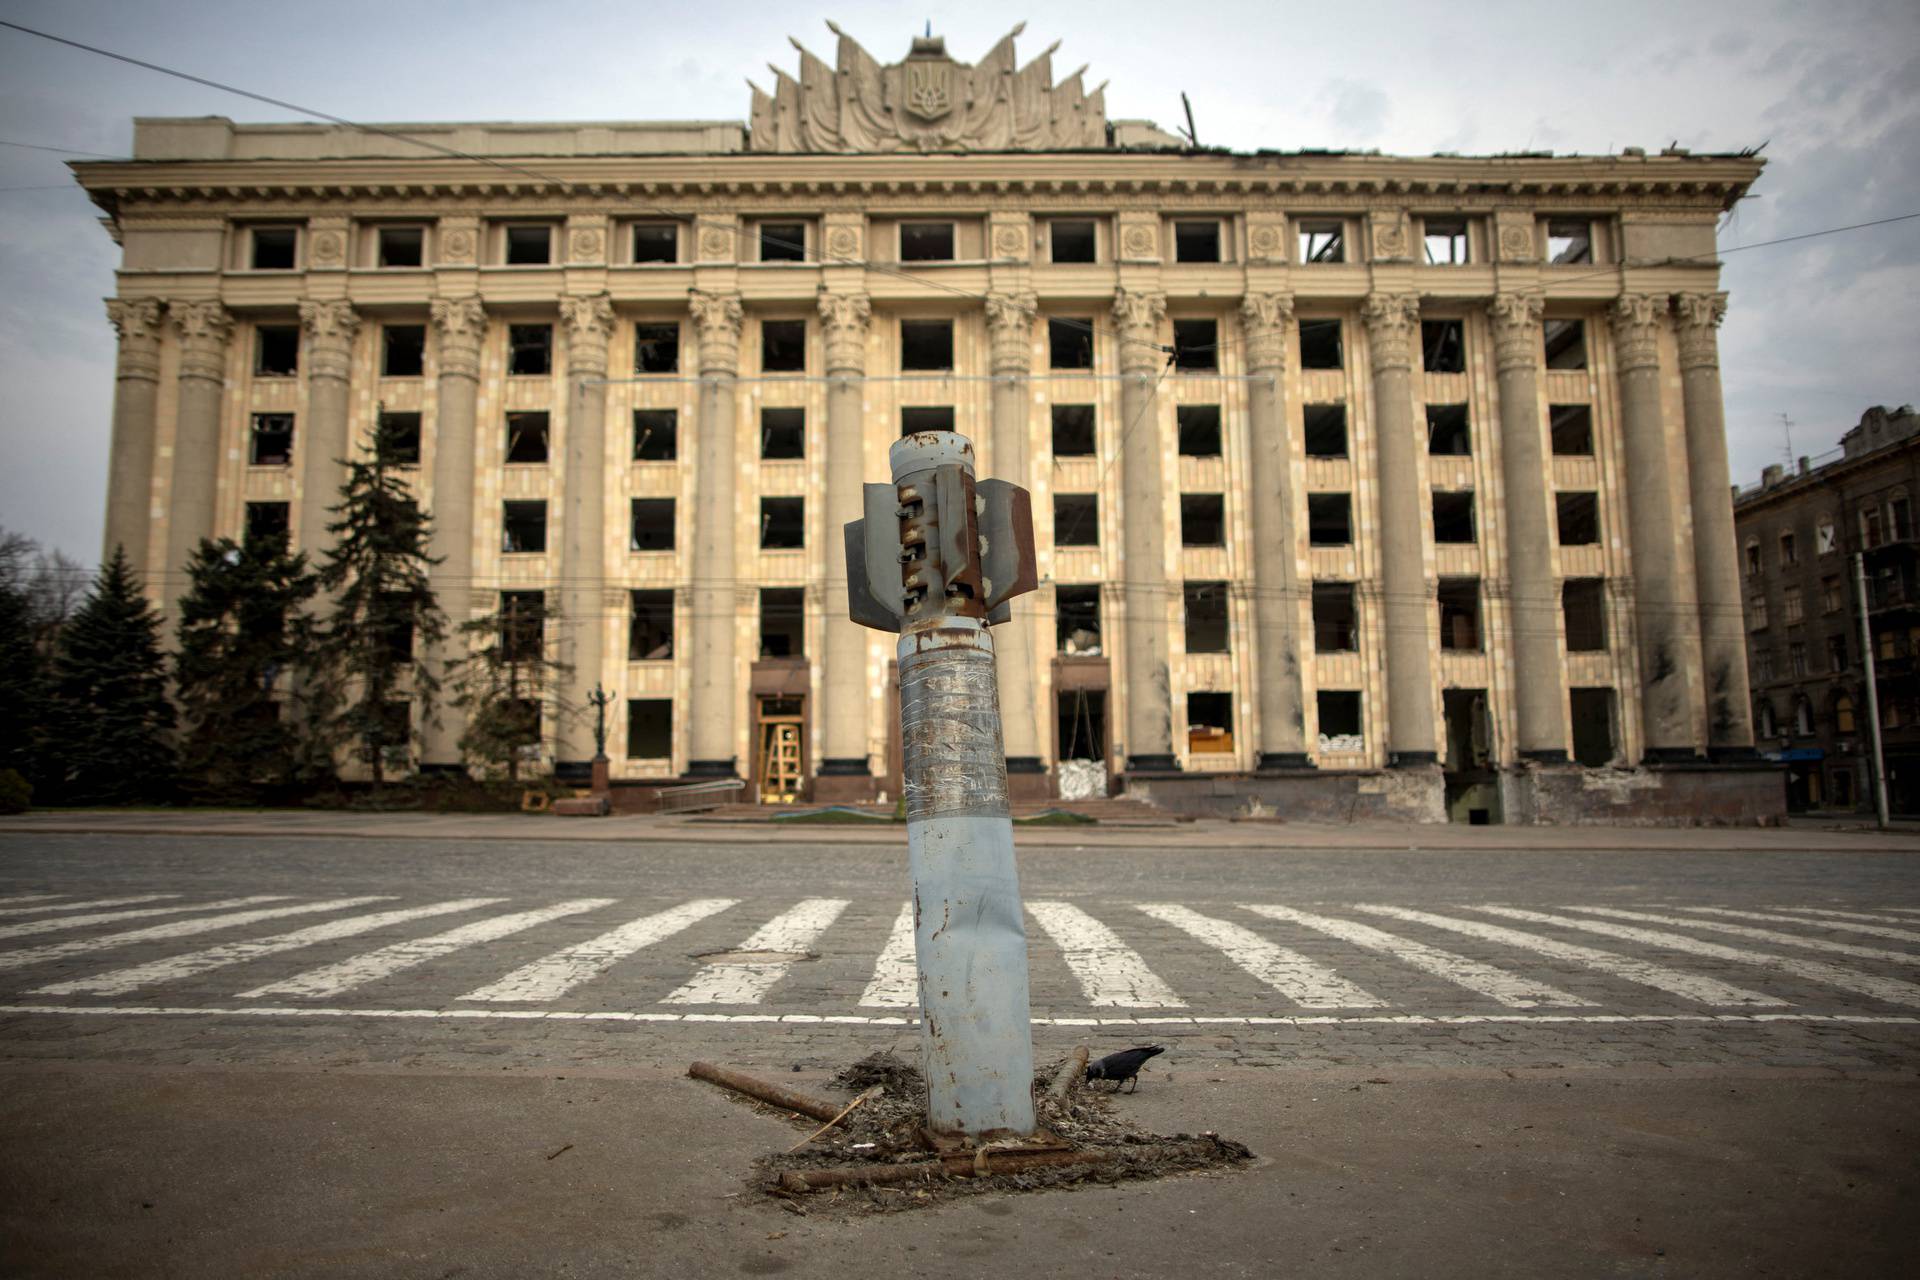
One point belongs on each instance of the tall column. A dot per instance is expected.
(1393, 324)
(1539, 681)
(845, 693)
(711, 713)
(329, 328)
(1010, 328)
(203, 328)
(583, 549)
(136, 400)
(1143, 566)
(1276, 572)
(1716, 568)
(1668, 678)
(459, 324)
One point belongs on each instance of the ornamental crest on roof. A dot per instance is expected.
(929, 102)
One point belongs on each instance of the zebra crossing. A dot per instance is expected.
(836, 960)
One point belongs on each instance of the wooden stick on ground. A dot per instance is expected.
(867, 1096)
(772, 1094)
(1073, 1070)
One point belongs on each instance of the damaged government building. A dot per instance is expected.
(1363, 485)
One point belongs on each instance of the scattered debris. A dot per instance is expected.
(562, 1151)
(773, 1094)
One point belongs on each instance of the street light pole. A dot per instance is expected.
(1873, 692)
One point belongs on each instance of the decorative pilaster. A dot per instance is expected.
(1010, 334)
(588, 322)
(1635, 320)
(844, 773)
(1139, 315)
(1278, 629)
(845, 319)
(711, 715)
(203, 329)
(321, 440)
(136, 402)
(1393, 329)
(459, 325)
(718, 318)
(1010, 318)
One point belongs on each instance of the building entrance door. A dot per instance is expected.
(1473, 793)
(779, 763)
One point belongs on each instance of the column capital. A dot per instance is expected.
(589, 323)
(203, 328)
(1516, 329)
(1010, 329)
(137, 322)
(1699, 315)
(718, 317)
(330, 326)
(1266, 317)
(1393, 322)
(846, 318)
(460, 324)
(1139, 313)
(1635, 320)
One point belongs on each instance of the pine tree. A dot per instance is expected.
(109, 723)
(502, 683)
(20, 691)
(243, 634)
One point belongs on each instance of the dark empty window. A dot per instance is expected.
(524, 527)
(527, 437)
(1209, 721)
(1206, 614)
(523, 622)
(926, 242)
(270, 442)
(1072, 430)
(1071, 240)
(273, 248)
(650, 525)
(1196, 241)
(1566, 344)
(529, 246)
(649, 728)
(1460, 613)
(1339, 713)
(1583, 605)
(1453, 516)
(267, 520)
(1336, 623)
(1325, 428)
(650, 625)
(656, 348)
(1444, 346)
(1076, 520)
(1077, 619)
(783, 622)
(1330, 519)
(926, 344)
(402, 246)
(1203, 520)
(1446, 241)
(1199, 429)
(530, 350)
(783, 523)
(403, 350)
(1069, 342)
(656, 435)
(1320, 344)
(397, 438)
(276, 350)
(783, 346)
(1579, 518)
(656, 242)
(1591, 716)
(926, 417)
(1196, 344)
(783, 242)
(396, 629)
(1447, 430)
(1323, 241)
(1569, 241)
(783, 433)
(1572, 429)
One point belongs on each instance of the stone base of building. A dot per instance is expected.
(1028, 780)
(845, 788)
(1414, 794)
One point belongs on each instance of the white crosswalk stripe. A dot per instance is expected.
(30, 897)
(28, 928)
(1688, 986)
(1306, 983)
(1834, 926)
(173, 968)
(551, 977)
(176, 929)
(1758, 935)
(896, 978)
(1112, 974)
(355, 971)
(1891, 990)
(1850, 921)
(1507, 988)
(793, 931)
(79, 906)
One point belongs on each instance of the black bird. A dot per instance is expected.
(1123, 1066)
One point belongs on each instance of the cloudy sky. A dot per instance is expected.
(1818, 329)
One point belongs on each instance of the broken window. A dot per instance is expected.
(523, 626)
(1591, 713)
(530, 350)
(1209, 723)
(1578, 516)
(527, 437)
(1323, 240)
(1076, 520)
(1870, 536)
(1789, 551)
(1826, 539)
(1196, 344)
(1453, 516)
(783, 523)
(1206, 615)
(656, 434)
(1583, 607)
(273, 248)
(656, 348)
(1446, 241)
(1569, 241)
(926, 242)
(1069, 342)
(1199, 430)
(1571, 426)
(395, 629)
(649, 728)
(926, 344)
(1320, 344)
(1203, 520)
(267, 520)
(783, 242)
(276, 350)
(271, 440)
(1753, 558)
(650, 625)
(1460, 613)
(529, 245)
(650, 524)
(914, 418)
(1339, 716)
(401, 247)
(1836, 653)
(783, 346)
(656, 242)
(1071, 240)
(1076, 619)
(403, 350)
(783, 433)
(1073, 430)
(1336, 621)
(1330, 519)
(1900, 518)
(524, 527)
(1444, 346)
(1447, 433)
(1196, 241)
(1325, 428)
(1566, 343)
(783, 622)
(396, 438)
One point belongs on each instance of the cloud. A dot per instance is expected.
(1358, 111)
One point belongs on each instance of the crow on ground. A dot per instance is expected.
(1123, 1066)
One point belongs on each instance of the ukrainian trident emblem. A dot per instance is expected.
(929, 87)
